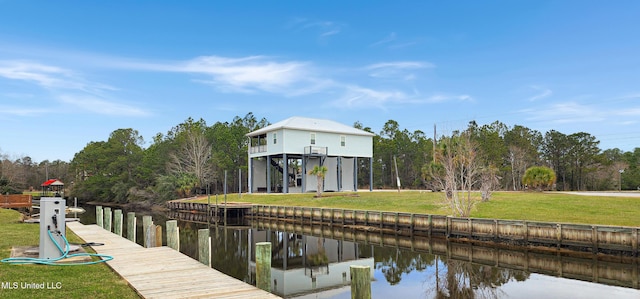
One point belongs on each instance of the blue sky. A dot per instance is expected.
(71, 72)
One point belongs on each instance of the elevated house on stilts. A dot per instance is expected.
(281, 155)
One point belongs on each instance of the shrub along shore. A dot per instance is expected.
(25, 281)
(534, 206)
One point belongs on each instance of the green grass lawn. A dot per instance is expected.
(549, 207)
(90, 281)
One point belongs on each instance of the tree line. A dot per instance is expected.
(193, 157)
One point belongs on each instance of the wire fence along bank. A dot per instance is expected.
(596, 238)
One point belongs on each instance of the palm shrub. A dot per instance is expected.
(539, 178)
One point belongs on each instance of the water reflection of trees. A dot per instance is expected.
(393, 262)
(450, 278)
(460, 279)
(229, 248)
(230, 252)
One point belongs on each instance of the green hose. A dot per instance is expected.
(65, 254)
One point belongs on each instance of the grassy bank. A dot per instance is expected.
(91, 281)
(551, 207)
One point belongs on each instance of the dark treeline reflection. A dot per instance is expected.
(394, 262)
(466, 280)
(451, 278)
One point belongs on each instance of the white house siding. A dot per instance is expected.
(311, 180)
(331, 178)
(259, 174)
(356, 146)
(347, 174)
(273, 149)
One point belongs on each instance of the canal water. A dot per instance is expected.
(313, 262)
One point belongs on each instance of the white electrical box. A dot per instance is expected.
(52, 218)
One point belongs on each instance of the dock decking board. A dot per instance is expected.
(161, 272)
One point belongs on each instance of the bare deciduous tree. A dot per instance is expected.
(192, 157)
(489, 180)
(459, 172)
(517, 159)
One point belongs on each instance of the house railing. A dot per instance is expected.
(258, 149)
(315, 150)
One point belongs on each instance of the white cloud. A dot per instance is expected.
(402, 45)
(362, 97)
(397, 70)
(356, 96)
(19, 95)
(445, 98)
(47, 76)
(101, 106)
(249, 74)
(542, 93)
(629, 112)
(629, 123)
(59, 82)
(246, 74)
(43, 75)
(401, 65)
(8, 110)
(330, 32)
(324, 29)
(387, 39)
(563, 113)
(391, 42)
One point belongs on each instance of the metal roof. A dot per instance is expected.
(52, 182)
(311, 124)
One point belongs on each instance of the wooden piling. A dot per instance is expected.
(204, 246)
(263, 266)
(173, 234)
(411, 223)
(99, 216)
(117, 222)
(131, 226)
(635, 241)
(147, 223)
(107, 218)
(158, 236)
(149, 236)
(360, 282)
(594, 239)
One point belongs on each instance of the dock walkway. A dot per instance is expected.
(162, 272)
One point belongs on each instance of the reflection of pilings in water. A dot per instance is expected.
(204, 219)
(596, 238)
(623, 273)
(216, 210)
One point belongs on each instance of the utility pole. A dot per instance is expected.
(620, 180)
(397, 176)
(434, 143)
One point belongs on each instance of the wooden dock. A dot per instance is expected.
(219, 211)
(162, 272)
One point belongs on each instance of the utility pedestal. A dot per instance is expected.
(52, 218)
